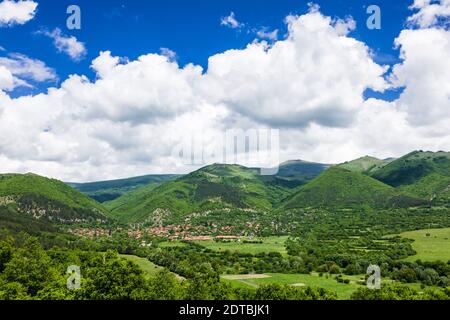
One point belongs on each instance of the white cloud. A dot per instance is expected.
(16, 12)
(18, 70)
(430, 13)
(344, 26)
(310, 85)
(69, 45)
(104, 64)
(315, 75)
(269, 35)
(425, 74)
(230, 21)
(7, 80)
(24, 67)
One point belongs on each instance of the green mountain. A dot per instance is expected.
(425, 174)
(103, 191)
(365, 164)
(37, 200)
(342, 188)
(293, 173)
(215, 187)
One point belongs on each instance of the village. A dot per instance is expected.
(186, 232)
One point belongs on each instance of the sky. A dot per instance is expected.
(117, 97)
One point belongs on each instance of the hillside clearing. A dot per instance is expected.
(430, 244)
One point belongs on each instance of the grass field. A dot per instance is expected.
(269, 244)
(343, 291)
(146, 265)
(430, 244)
(170, 244)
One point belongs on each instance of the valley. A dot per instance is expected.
(226, 232)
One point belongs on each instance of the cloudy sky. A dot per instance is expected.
(115, 98)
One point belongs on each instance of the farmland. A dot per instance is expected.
(430, 244)
(258, 245)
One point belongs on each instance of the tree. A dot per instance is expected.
(165, 286)
(109, 277)
(30, 266)
(13, 291)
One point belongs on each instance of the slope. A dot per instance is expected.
(425, 174)
(47, 200)
(341, 188)
(215, 187)
(364, 165)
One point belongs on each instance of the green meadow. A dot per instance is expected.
(430, 244)
(325, 281)
(146, 265)
(268, 244)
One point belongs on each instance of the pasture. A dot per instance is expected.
(430, 244)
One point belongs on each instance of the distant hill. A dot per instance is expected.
(37, 200)
(213, 187)
(365, 164)
(297, 172)
(342, 188)
(425, 174)
(103, 191)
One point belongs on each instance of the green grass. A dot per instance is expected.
(146, 265)
(343, 290)
(270, 244)
(171, 244)
(434, 247)
(149, 268)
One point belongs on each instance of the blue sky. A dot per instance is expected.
(190, 28)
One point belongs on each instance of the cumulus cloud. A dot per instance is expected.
(69, 45)
(132, 116)
(430, 13)
(315, 75)
(231, 21)
(21, 69)
(425, 74)
(16, 12)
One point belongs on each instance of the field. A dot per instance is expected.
(269, 244)
(430, 244)
(146, 265)
(343, 291)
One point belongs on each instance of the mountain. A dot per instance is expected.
(293, 173)
(215, 187)
(342, 188)
(425, 174)
(103, 191)
(38, 200)
(365, 164)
